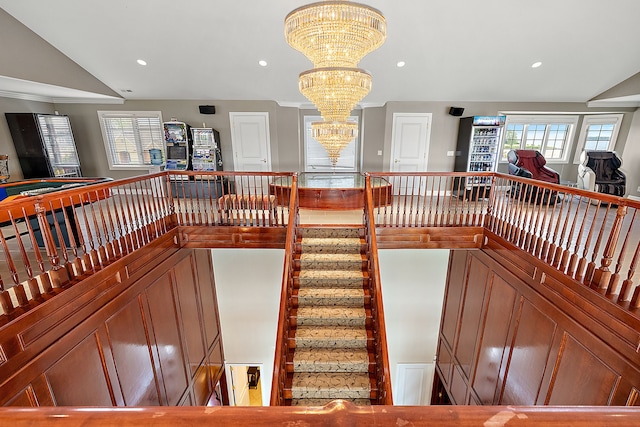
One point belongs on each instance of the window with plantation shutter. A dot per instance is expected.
(129, 136)
(59, 145)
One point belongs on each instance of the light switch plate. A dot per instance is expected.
(379, 152)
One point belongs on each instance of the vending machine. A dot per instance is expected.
(477, 150)
(177, 139)
(206, 150)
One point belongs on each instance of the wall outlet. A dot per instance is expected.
(638, 190)
(379, 152)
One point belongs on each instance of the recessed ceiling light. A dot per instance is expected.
(262, 63)
(141, 62)
(401, 64)
(536, 64)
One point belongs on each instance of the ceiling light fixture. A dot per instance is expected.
(335, 36)
(401, 64)
(262, 63)
(536, 64)
(141, 62)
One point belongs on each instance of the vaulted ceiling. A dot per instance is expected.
(463, 50)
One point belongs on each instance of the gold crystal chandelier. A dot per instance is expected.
(335, 36)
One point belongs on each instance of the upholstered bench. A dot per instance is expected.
(244, 208)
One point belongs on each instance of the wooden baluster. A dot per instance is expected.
(448, 201)
(554, 238)
(591, 267)
(209, 211)
(514, 208)
(115, 241)
(60, 274)
(612, 287)
(560, 247)
(532, 231)
(437, 219)
(566, 249)
(177, 199)
(498, 212)
(582, 262)
(92, 260)
(525, 206)
(548, 239)
(5, 299)
(134, 216)
(412, 220)
(137, 200)
(47, 237)
(428, 200)
(9, 259)
(602, 275)
(573, 260)
(145, 216)
(628, 286)
(126, 233)
(31, 281)
(149, 223)
(98, 233)
(108, 239)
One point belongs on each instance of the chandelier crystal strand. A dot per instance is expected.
(335, 91)
(334, 136)
(335, 36)
(335, 33)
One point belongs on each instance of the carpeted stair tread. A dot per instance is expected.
(329, 232)
(326, 278)
(331, 360)
(331, 337)
(327, 316)
(328, 385)
(331, 261)
(323, 402)
(330, 296)
(331, 245)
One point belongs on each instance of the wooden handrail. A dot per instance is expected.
(382, 353)
(337, 413)
(279, 363)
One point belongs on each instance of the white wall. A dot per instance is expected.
(248, 283)
(413, 282)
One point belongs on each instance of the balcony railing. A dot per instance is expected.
(51, 241)
(591, 237)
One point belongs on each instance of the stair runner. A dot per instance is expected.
(331, 357)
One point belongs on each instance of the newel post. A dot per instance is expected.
(602, 275)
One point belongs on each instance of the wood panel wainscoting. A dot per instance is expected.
(144, 332)
(514, 333)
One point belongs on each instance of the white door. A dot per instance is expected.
(413, 384)
(410, 142)
(239, 385)
(250, 142)
(409, 150)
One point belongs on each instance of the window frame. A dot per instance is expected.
(546, 119)
(598, 119)
(110, 114)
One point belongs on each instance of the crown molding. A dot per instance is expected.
(26, 96)
(110, 100)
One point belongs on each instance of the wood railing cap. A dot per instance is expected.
(336, 413)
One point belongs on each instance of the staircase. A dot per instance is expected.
(331, 346)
